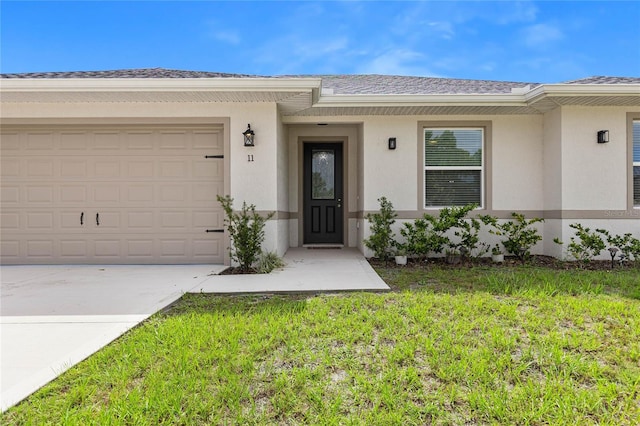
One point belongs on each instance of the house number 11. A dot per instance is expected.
(250, 158)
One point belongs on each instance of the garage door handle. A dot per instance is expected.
(97, 219)
(214, 230)
(82, 218)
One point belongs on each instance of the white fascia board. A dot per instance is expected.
(582, 90)
(160, 85)
(421, 100)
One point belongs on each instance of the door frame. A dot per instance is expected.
(302, 141)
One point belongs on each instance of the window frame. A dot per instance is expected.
(633, 118)
(485, 131)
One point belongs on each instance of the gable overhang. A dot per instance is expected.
(547, 97)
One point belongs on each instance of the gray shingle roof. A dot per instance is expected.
(402, 85)
(128, 73)
(605, 80)
(370, 84)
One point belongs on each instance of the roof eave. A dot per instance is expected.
(545, 90)
(160, 84)
(421, 100)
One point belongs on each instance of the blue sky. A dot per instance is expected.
(528, 41)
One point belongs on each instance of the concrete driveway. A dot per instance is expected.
(52, 317)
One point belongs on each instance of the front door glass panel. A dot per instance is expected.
(323, 174)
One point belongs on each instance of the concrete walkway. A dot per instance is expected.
(52, 317)
(306, 270)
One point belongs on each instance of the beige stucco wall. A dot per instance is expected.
(516, 165)
(593, 175)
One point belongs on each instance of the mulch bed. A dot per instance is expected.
(237, 271)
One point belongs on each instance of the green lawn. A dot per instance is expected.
(448, 346)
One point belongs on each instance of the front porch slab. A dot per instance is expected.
(306, 270)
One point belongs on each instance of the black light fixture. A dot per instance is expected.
(603, 136)
(392, 143)
(249, 136)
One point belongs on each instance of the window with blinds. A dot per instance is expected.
(453, 167)
(636, 163)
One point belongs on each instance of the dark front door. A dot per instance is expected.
(323, 206)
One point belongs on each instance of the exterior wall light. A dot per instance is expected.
(603, 136)
(392, 143)
(249, 136)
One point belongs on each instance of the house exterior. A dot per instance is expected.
(124, 166)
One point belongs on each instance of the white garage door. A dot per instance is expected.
(112, 195)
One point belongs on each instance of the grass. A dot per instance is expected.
(447, 346)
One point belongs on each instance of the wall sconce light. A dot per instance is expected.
(249, 136)
(392, 143)
(603, 136)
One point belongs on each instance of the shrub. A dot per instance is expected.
(520, 235)
(246, 230)
(586, 244)
(268, 261)
(381, 240)
(428, 234)
(628, 246)
(420, 238)
(467, 230)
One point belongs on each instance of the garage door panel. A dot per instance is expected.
(10, 250)
(10, 166)
(74, 168)
(208, 219)
(153, 189)
(42, 249)
(10, 141)
(208, 140)
(106, 168)
(139, 140)
(9, 221)
(106, 142)
(73, 250)
(40, 142)
(75, 142)
(73, 194)
(39, 194)
(10, 195)
(207, 248)
(208, 169)
(207, 192)
(140, 169)
(107, 248)
(106, 193)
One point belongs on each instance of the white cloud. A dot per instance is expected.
(443, 29)
(540, 35)
(397, 62)
(230, 37)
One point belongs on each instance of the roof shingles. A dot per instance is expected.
(368, 84)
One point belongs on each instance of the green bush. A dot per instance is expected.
(585, 244)
(520, 235)
(628, 245)
(268, 261)
(246, 230)
(428, 234)
(381, 240)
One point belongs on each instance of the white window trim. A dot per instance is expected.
(634, 164)
(425, 167)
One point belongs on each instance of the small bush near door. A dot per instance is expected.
(246, 230)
